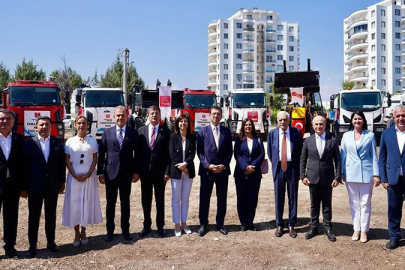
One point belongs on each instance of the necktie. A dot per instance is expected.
(216, 136)
(319, 146)
(284, 152)
(152, 139)
(120, 137)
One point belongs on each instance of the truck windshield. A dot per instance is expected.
(199, 101)
(34, 96)
(363, 101)
(249, 100)
(102, 98)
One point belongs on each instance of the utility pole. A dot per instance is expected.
(125, 75)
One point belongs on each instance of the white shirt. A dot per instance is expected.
(250, 146)
(321, 139)
(280, 143)
(44, 146)
(117, 131)
(213, 132)
(150, 131)
(5, 143)
(401, 142)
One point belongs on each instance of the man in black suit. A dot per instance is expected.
(10, 178)
(320, 170)
(155, 165)
(214, 149)
(118, 167)
(44, 179)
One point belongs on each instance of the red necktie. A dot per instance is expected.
(284, 153)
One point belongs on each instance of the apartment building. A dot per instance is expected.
(245, 50)
(374, 44)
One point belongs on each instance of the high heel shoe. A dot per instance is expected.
(356, 236)
(84, 240)
(363, 237)
(76, 242)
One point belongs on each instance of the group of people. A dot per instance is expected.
(154, 156)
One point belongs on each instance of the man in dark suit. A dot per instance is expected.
(118, 167)
(155, 166)
(392, 171)
(284, 146)
(320, 170)
(44, 179)
(214, 149)
(10, 178)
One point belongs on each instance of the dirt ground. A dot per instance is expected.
(237, 250)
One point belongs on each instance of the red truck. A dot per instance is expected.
(31, 99)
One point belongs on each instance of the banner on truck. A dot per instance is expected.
(201, 120)
(30, 120)
(297, 95)
(105, 120)
(165, 102)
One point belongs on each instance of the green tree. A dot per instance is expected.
(5, 76)
(29, 71)
(347, 85)
(95, 80)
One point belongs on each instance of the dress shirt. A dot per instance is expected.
(6, 147)
(150, 131)
(401, 142)
(322, 139)
(250, 145)
(44, 146)
(280, 143)
(117, 131)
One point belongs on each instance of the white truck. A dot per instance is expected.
(98, 105)
(372, 102)
(246, 103)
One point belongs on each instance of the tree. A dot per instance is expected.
(5, 76)
(347, 85)
(94, 81)
(28, 71)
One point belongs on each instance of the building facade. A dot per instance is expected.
(374, 47)
(245, 50)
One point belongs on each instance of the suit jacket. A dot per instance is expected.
(323, 169)
(390, 158)
(359, 163)
(209, 154)
(13, 164)
(273, 150)
(111, 158)
(38, 173)
(176, 154)
(158, 158)
(243, 158)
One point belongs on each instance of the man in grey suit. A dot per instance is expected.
(320, 169)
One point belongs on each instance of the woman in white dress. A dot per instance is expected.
(82, 205)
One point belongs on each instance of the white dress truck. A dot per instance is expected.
(98, 105)
(372, 102)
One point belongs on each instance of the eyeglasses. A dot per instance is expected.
(81, 161)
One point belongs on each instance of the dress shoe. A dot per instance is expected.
(356, 235)
(11, 253)
(222, 230)
(31, 252)
(187, 230)
(108, 237)
(331, 236)
(127, 236)
(279, 231)
(177, 233)
(392, 244)
(363, 237)
(145, 231)
(76, 241)
(311, 233)
(83, 239)
(252, 227)
(162, 232)
(202, 230)
(53, 247)
(243, 227)
(292, 232)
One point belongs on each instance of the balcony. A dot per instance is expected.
(248, 29)
(270, 60)
(212, 52)
(357, 67)
(361, 43)
(248, 70)
(212, 72)
(212, 41)
(248, 50)
(359, 77)
(359, 33)
(349, 24)
(248, 39)
(270, 30)
(270, 40)
(270, 71)
(248, 80)
(212, 33)
(356, 56)
(271, 50)
(269, 80)
(248, 60)
(212, 62)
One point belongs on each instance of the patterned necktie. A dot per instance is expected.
(152, 139)
(284, 152)
(120, 137)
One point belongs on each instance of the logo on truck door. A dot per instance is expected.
(30, 119)
(254, 116)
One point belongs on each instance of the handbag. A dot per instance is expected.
(264, 166)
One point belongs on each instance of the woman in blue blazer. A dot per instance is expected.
(360, 172)
(182, 149)
(249, 154)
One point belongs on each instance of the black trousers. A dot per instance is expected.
(207, 184)
(148, 184)
(247, 192)
(9, 200)
(123, 184)
(50, 200)
(321, 193)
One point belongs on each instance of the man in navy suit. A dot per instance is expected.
(118, 167)
(214, 149)
(44, 179)
(11, 153)
(284, 146)
(392, 171)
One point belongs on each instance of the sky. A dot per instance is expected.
(166, 39)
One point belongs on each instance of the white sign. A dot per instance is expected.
(370, 121)
(201, 120)
(297, 95)
(165, 102)
(30, 120)
(104, 120)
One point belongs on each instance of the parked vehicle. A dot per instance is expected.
(68, 121)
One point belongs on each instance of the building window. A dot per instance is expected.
(239, 76)
(397, 82)
(238, 45)
(373, 13)
(397, 12)
(280, 57)
(398, 35)
(397, 24)
(225, 87)
(372, 25)
(225, 56)
(382, 35)
(398, 59)
(238, 56)
(280, 47)
(291, 58)
(225, 35)
(291, 38)
(373, 83)
(280, 37)
(373, 59)
(291, 29)
(382, 24)
(280, 68)
(373, 36)
(290, 48)
(226, 25)
(383, 83)
(373, 48)
(250, 16)
(238, 66)
(225, 45)
(383, 12)
(225, 66)
(280, 27)
(382, 59)
(397, 70)
(373, 71)
(225, 76)
(383, 47)
(291, 68)
(239, 86)
(382, 70)
(269, 17)
(239, 25)
(238, 35)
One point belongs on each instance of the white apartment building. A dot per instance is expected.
(374, 50)
(245, 50)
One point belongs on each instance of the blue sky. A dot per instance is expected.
(166, 39)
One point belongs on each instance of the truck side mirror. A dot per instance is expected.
(227, 101)
(78, 99)
(271, 101)
(221, 101)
